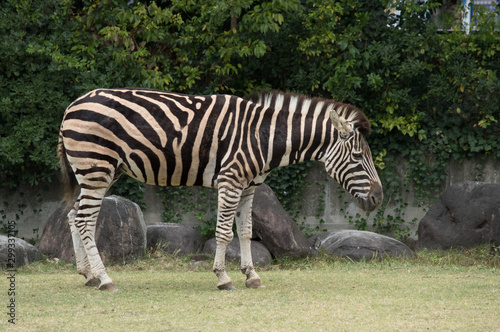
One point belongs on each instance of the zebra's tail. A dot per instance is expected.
(67, 176)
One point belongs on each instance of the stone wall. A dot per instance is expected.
(31, 207)
(457, 172)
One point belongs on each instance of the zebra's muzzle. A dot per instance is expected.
(374, 198)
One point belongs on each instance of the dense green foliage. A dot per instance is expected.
(430, 96)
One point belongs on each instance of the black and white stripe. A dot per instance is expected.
(217, 141)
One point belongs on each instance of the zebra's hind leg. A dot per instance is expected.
(82, 263)
(244, 227)
(90, 201)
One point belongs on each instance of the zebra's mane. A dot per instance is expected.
(351, 113)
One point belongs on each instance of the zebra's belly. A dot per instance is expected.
(176, 179)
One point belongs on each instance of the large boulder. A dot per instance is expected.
(277, 230)
(15, 252)
(358, 245)
(174, 238)
(260, 255)
(120, 232)
(466, 214)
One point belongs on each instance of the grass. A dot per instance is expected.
(437, 291)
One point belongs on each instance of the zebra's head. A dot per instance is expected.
(349, 160)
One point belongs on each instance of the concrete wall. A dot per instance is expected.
(30, 207)
(40, 202)
(337, 211)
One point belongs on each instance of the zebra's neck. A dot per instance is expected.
(300, 127)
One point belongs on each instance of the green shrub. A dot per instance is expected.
(430, 96)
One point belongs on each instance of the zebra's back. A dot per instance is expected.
(157, 137)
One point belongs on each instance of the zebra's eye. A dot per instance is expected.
(344, 136)
(357, 155)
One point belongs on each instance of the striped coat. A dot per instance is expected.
(217, 141)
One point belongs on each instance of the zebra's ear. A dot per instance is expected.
(344, 128)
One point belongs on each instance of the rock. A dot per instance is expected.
(120, 232)
(277, 230)
(174, 238)
(199, 257)
(199, 264)
(15, 252)
(358, 245)
(466, 214)
(260, 255)
(199, 261)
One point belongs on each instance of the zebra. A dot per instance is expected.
(218, 141)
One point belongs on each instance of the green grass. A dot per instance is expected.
(437, 291)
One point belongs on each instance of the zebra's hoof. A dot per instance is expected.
(108, 287)
(92, 282)
(228, 286)
(253, 283)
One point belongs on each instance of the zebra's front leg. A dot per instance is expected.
(85, 224)
(227, 203)
(244, 227)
